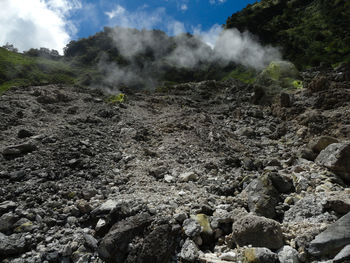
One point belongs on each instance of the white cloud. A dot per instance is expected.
(184, 7)
(213, 2)
(37, 23)
(143, 19)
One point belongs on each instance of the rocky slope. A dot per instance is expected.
(191, 173)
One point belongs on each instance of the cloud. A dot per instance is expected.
(140, 18)
(37, 23)
(184, 7)
(213, 2)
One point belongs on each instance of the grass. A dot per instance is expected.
(20, 70)
(245, 75)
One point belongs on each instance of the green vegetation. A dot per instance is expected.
(22, 70)
(245, 75)
(309, 31)
(120, 98)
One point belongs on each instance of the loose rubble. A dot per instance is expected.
(197, 172)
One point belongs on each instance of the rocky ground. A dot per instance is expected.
(193, 173)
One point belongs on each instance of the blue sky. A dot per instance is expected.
(53, 23)
(192, 13)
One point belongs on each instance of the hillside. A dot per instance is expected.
(23, 70)
(192, 173)
(309, 31)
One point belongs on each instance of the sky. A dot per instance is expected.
(53, 23)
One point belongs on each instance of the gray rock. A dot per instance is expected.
(180, 217)
(106, 207)
(287, 254)
(333, 239)
(191, 227)
(19, 149)
(90, 242)
(260, 255)
(113, 248)
(309, 209)
(257, 231)
(189, 176)
(189, 251)
(23, 133)
(343, 255)
(7, 206)
(338, 202)
(159, 246)
(262, 197)
(336, 157)
(7, 221)
(12, 245)
(321, 143)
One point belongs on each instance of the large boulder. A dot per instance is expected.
(113, 247)
(12, 245)
(278, 77)
(336, 157)
(159, 246)
(258, 232)
(333, 239)
(262, 197)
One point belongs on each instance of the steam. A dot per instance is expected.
(213, 47)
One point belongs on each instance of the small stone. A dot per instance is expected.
(180, 217)
(23, 133)
(260, 255)
(287, 254)
(189, 251)
(191, 227)
(189, 176)
(7, 206)
(229, 256)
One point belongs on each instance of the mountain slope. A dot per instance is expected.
(309, 31)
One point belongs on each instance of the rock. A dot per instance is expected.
(188, 176)
(257, 231)
(180, 217)
(19, 149)
(191, 227)
(203, 221)
(321, 143)
(309, 209)
(287, 254)
(285, 100)
(260, 255)
(333, 239)
(158, 172)
(336, 157)
(282, 183)
(90, 242)
(113, 248)
(23, 133)
(23, 225)
(278, 77)
(189, 251)
(106, 207)
(229, 256)
(343, 255)
(159, 246)
(214, 258)
(83, 207)
(338, 202)
(12, 245)
(245, 131)
(319, 83)
(7, 206)
(262, 197)
(7, 221)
